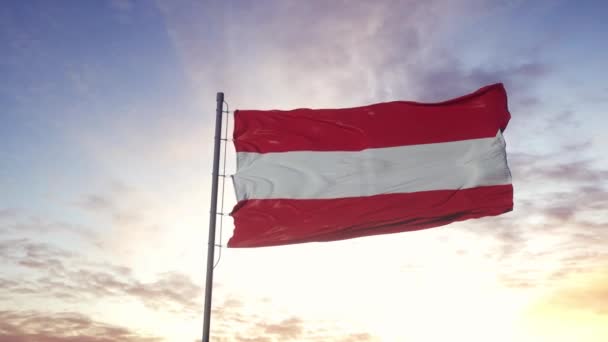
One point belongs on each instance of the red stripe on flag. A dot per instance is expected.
(270, 222)
(477, 115)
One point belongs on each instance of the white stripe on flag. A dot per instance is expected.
(404, 169)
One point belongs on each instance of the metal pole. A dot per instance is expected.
(213, 215)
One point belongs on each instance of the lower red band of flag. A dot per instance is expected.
(270, 222)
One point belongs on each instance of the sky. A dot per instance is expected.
(106, 136)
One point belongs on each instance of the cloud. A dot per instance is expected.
(356, 53)
(566, 119)
(253, 339)
(578, 147)
(8, 213)
(233, 321)
(581, 184)
(453, 79)
(111, 205)
(168, 288)
(35, 326)
(584, 291)
(169, 292)
(31, 254)
(66, 275)
(558, 227)
(358, 337)
(21, 224)
(89, 270)
(290, 328)
(95, 203)
(578, 171)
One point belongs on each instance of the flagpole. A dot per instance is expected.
(213, 214)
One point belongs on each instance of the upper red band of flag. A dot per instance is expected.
(398, 123)
(308, 175)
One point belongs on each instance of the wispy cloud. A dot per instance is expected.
(109, 205)
(66, 275)
(7, 213)
(290, 328)
(35, 225)
(557, 231)
(96, 203)
(453, 79)
(35, 326)
(235, 322)
(351, 52)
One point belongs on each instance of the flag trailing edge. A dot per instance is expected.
(308, 175)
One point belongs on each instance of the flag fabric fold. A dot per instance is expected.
(309, 175)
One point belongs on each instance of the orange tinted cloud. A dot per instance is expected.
(33, 326)
(577, 310)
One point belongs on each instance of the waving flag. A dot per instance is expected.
(308, 175)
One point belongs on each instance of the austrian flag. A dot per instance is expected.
(309, 175)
